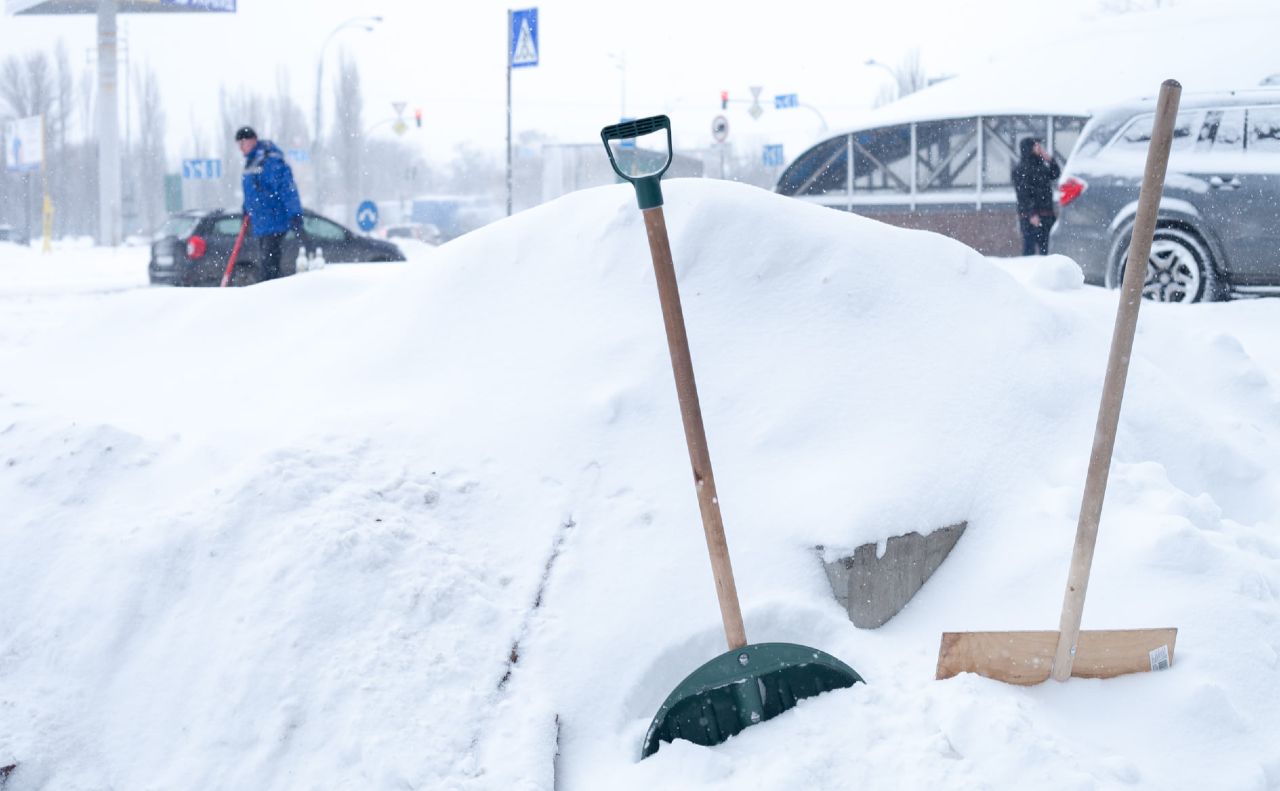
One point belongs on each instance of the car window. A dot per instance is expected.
(1222, 132)
(1264, 130)
(227, 226)
(180, 226)
(1137, 135)
(322, 229)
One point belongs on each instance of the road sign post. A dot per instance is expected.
(720, 132)
(522, 52)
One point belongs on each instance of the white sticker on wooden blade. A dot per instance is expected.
(1160, 658)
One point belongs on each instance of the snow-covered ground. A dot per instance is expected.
(287, 536)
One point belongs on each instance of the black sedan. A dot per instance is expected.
(194, 247)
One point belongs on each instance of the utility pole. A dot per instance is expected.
(108, 128)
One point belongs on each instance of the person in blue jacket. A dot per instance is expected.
(270, 197)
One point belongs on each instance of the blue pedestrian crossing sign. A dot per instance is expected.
(773, 155)
(367, 216)
(522, 38)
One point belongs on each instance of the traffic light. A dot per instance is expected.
(417, 117)
(724, 100)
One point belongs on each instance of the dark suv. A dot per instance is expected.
(193, 248)
(1218, 230)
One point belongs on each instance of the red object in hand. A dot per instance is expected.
(235, 251)
(1070, 190)
(196, 248)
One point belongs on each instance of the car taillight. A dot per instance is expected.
(1070, 190)
(195, 247)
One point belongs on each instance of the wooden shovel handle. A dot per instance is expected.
(1104, 437)
(694, 433)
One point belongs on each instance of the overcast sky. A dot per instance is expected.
(449, 59)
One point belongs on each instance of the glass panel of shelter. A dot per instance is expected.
(882, 159)
(1066, 132)
(821, 170)
(1001, 134)
(947, 155)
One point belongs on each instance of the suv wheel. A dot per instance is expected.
(1179, 268)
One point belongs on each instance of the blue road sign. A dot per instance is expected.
(784, 100)
(522, 38)
(773, 155)
(201, 169)
(299, 155)
(367, 216)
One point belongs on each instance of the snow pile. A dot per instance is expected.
(1078, 69)
(292, 536)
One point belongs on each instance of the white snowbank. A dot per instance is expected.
(1078, 69)
(287, 536)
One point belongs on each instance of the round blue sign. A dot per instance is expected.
(367, 215)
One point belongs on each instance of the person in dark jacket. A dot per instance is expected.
(1033, 179)
(270, 197)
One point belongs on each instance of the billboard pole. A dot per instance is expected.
(108, 128)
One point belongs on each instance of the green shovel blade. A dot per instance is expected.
(741, 688)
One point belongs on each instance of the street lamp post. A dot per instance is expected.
(892, 74)
(620, 60)
(365, 23)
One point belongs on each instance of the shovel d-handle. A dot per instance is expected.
(648, 187)
(1104, 437)
(694, 433)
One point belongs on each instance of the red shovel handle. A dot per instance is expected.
(235, 251)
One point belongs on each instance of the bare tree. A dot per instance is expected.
(286, 122)
(348, 131)
(59, 123)
(237, 110)
(26, 85)
(474, 172)
(909, 77)
(150, 157)
(395, 170)
(26, 89)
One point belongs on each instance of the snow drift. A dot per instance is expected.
(288, 536)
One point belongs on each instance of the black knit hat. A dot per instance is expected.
(246, 133)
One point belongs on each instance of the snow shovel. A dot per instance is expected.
(1032, 657)
(235, 252)
(749, 683)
